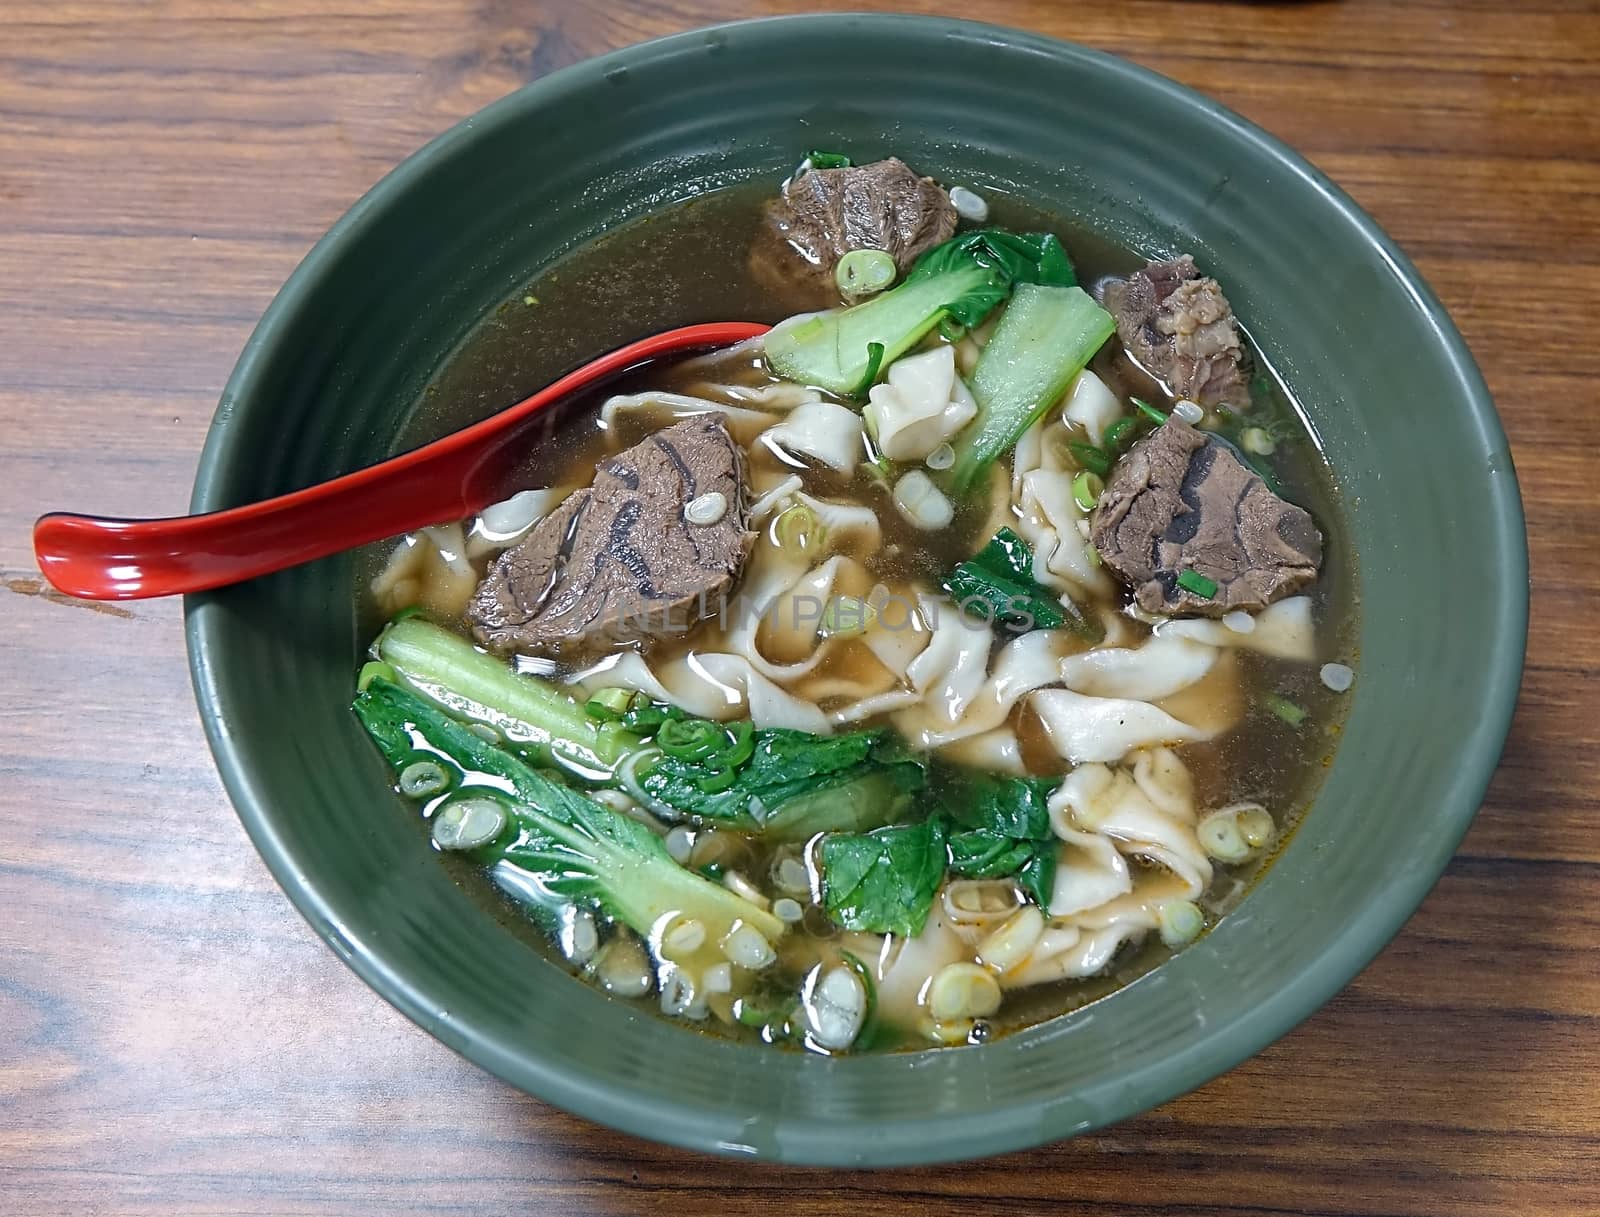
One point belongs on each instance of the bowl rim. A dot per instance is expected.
(916, 1139)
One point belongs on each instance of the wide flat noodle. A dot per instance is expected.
(920, 405)
(1102, 816)
(710, 685)
(1091, 404)
(666, 408)
(1084, 729)
(958, 698)
(1156, 669)
(822, 430)
(1095, 798)
(1049, 518)
(1283, 630)
(1089, 871)
(998, 751)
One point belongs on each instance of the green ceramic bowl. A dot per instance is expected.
(330, 375)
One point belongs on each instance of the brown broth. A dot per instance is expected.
(657, 273)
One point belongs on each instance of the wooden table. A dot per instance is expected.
(173, 1038)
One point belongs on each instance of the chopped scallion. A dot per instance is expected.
(1089, 457)
(422, 779)
(1086, 488)
(375, 670)
(1120, 435)
(743, 746)
(828, 160)
(717, 781)
(846, 617)
(609, 704)
(1288, 711)
(797, 529)
(1148, 411)
(864, 272)
(1194, 581)
(1180, 922)
(1257, 440)
(691, 739)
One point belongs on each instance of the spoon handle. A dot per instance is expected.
(98, 558)
(101, 558)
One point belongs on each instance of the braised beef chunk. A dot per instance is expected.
(1180, 327)
(1181, 500)
(621, 560)
(823, 214)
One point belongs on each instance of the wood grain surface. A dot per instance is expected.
(174, 1039)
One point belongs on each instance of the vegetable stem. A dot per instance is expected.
(961, 280)
(571, 848)
(1046, 336)
(453, 673)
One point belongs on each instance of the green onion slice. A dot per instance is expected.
(864, 272)
(1149, 411)
(608, 705)
(828, 160)
(692, 739)
(1120, 435)
(1290, 712)
(717, 781)
(1086, 489)
(797, 528)
(1089, 457)
(373, 670)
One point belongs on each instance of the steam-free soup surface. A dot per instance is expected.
(1276, 720)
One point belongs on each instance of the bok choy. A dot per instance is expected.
(786, 785)
(961, 280)
(560, 847)
(1046, 336)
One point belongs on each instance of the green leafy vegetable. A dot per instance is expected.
(1000, 828)
(608, 705)
(961, 281)
(792, 785)
(559, 847)
(828, 160)
(1046, 336)
(1013, 807)
(1000, 576)
(1089, 458)
(1011, 258)
(883, 882)
(787, 785)
(455, 675)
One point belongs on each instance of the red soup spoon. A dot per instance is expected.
(110, 559)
